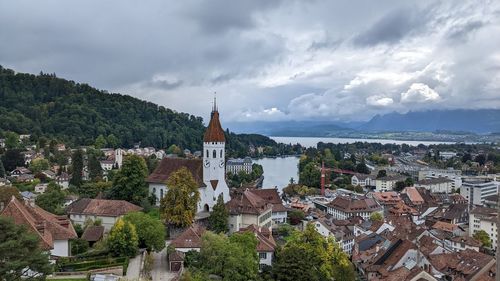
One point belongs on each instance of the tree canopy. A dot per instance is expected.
(150, 231)
(129, 183)
(483, 237)
(22, 251)
(217, 221)
(122, 239)
(179, 205)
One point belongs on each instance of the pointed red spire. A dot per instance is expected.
(214, 132)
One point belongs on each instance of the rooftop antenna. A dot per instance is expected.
(215, 101)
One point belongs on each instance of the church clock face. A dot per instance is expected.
(221, 163)
(207, 163)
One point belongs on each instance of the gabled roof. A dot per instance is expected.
(214, 132)
(465, 264)
(264, 236)
(190, 238)
(272, 196)
(168, 166)
(93, 233)
(101, 207)
(48, 227)
(352, 205)
(247, 202)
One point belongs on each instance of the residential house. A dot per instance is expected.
(463, 265)
(189, 239)
(29, 197)
(271, 195)
(49, 174)
(63, 180)
(247, 208)
(265, 245)
(108, 211)
(107, 165)
(18, 171)
(41, 188)
(54, 232)
(482, 218)
(93, 234)
(344, 207)
(343, 234)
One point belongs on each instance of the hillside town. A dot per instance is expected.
(148, 214)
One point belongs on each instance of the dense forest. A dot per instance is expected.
(45, 105)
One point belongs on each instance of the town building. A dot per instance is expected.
(189, 239)
(271, 195)
(234, 166)
(439, 184)
(341, 230)
(246, 208)
(108, 211)
(482, 218)
(363, 180)
(209, 173)
(265, 245)
(387, 183)
(344, 207)
(54, 232)
(475, 190)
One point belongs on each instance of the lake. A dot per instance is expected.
(313, 141)
(278, 171)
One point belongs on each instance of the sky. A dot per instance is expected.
(267, 60)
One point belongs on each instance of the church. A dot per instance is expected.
(208, 172)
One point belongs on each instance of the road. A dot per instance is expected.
(160, 269)
(134, 268)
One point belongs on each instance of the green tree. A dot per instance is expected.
(362, 168)
(409, 181)
(483, 237)
(113, 141)
(310, 175)
(217, 221)
(309, 256)
(400, 185)
(376, 216)
(381, 174)
(100, 142)
(174, 149)
(52, 200)
(11, 140)
(122, 239)
(20, 253)
(150, 231)
(178, 207)
(233, 258)
(38, 165)
(130, 181)
(77, 168)
(92, 189)
(12, 158)
(296, 216)
(95, 169)
(2, 170)
(79, 246)
(6, 194)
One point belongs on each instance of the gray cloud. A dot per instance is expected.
(267, 60)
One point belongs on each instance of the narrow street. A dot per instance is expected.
(160, 270)
(134, 267)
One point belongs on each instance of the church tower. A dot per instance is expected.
(214, 154)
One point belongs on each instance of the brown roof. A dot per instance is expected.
(93, 233)
(394, 253)
(190, 238)
(465, 263)
(271, 196)
(414, 195)
(214, 132)
(48, 227)
(467, 240)
(101, 207)
(264, 236)
(349, 204)
(247, 202)
(169, 165)
(431, 181)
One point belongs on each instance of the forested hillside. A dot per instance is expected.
(44, 105)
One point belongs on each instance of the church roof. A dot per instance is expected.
(169, 165)
(214, 132)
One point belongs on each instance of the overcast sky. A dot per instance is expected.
(267, 60)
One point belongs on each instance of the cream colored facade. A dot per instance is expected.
(236, 222)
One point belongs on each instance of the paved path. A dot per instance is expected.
(160, 269)
(134, 268)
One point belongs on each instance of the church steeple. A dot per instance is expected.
(214, 132)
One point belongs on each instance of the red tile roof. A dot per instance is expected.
(168, 166)
(101, 207)
(349, 204)
(93, 233)
(247, 203)
(190, 238)
(214, 132)
(264, 236)
(271, 196)
(48, 227)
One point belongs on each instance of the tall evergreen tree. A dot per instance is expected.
(95, 169)
(21, 253)
(129, 183)
(77, 168)
(2, 170)
(217, 221)
(123, 239)
(178, 207)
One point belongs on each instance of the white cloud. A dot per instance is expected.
(419, 93)
(379, 101)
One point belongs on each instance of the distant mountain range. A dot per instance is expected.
(481, 121)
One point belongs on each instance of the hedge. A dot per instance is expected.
(92, 264)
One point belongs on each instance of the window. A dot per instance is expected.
(221, 153)
(161, 193)
(215, 154)
(262, 256)
(207, 153)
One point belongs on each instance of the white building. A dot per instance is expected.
(247, 208)
(107, 165)
(235, 166)
(387, 183)
(482, 218)
(108, 211)
(209, 173)
(363, 180)
(343, 235)
(439, 184)
(475, 190)
(453, 175)
(271, 195)
(41, 187)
